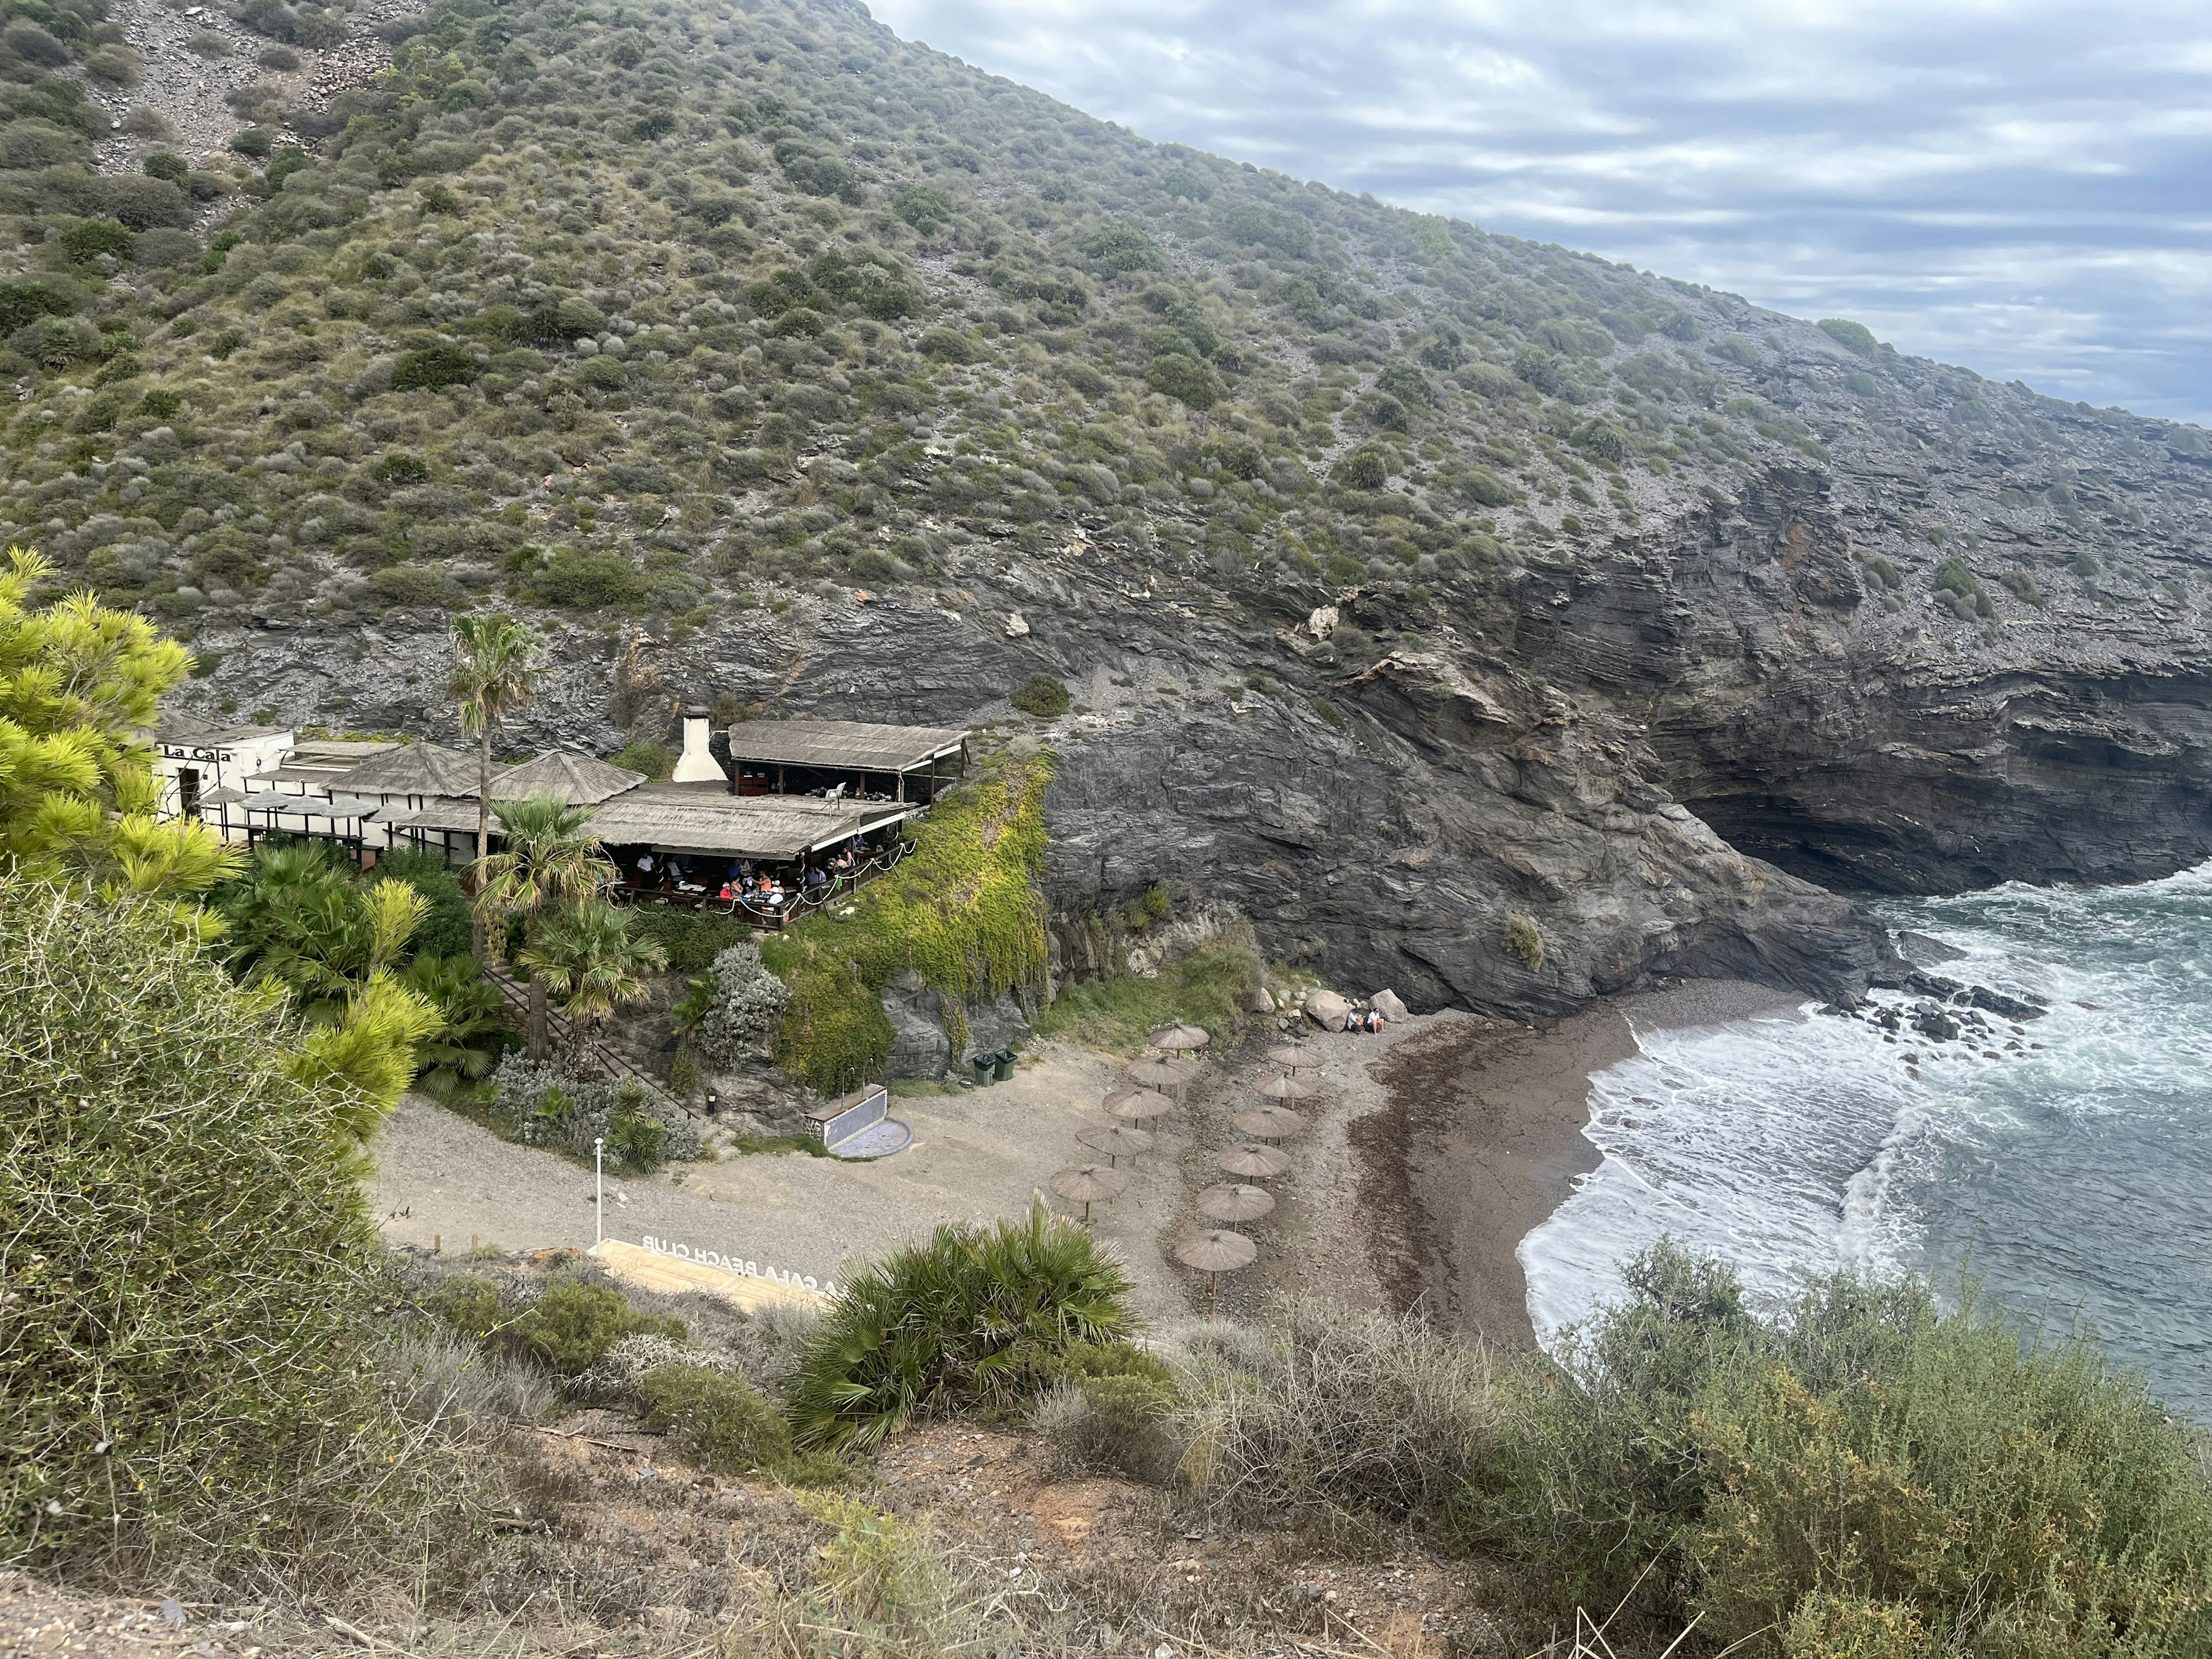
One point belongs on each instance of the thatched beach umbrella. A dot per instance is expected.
(1292, 1057)
(1088, 1185)
(1268, 1123)
(1233, 1204)
(1180, 1039)
(1213, 1254)
(1255, 1163)
(1135, 1105)
(1116, 1141)
(1290, 1088)
(1162, 1073)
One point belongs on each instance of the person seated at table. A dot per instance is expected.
(841, 861)
(728, 895)
(816, 877)
(644, 869)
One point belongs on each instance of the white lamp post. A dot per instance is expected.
(600, 1193)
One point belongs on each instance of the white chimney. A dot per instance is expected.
(697, 766)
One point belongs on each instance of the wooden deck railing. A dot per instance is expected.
(772, 918)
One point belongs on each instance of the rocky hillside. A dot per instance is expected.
(1480, 618)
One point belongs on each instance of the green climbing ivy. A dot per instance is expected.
(964, 910)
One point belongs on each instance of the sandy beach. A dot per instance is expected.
(1481, 1138)
(1432, 1150)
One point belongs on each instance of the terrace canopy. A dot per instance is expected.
(686, 818)
(896, 762)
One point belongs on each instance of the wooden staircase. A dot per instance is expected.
(517, 996)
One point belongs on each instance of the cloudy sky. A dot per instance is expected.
(2025, 188)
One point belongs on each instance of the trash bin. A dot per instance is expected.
(1003, 1065)
(984, 1067)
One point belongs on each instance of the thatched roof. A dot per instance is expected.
(685, 819)
(417, 769)
(680, 817)
(841, 746)
(576, 780)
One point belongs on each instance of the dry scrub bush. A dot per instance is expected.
(885, 1588)
(714, 1420)
(189, 1369)
(438, 1380)
(1337, 1414)
(1867, 1473)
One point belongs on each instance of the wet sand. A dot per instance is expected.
(1481, 1138)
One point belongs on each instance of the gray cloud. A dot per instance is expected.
(2020, 187)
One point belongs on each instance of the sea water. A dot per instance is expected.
(2071, 1175)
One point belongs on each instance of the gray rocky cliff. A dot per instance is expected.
(1672, 748)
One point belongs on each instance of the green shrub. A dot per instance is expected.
(255, 141)
(714, 1421)
(187, 1268)
(447, 930)
(1363, 469)
(89, 239)
(2022, 585)
(1886, 573)
(1854, 337)
(420, 586)
(1185, 379)
(577, 581)
(467, 1305)
(656, 760)
(974, 1316)
(162, 165)
(1123, 247)
(691, 938)
(1286, 233)
(963, 910)
(1526, 941)
(434, 368)
(572, 1326)
(1211, 987)
(1042, 696)
(1121, 1424)
(1952, 576)
(1863, 1465)
(925, 207)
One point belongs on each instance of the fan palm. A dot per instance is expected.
(474, 1012)
(299, 918)
(549, 858)
(585, 955)
(975, 1315)
(495, 661)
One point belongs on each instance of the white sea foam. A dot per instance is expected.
(2076, 1172)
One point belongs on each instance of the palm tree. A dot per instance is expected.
(495, 661)
(549, 858)
(300, 918)
(584, 955)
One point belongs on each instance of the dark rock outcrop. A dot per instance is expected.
(1649, 749)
